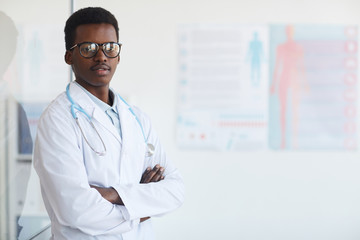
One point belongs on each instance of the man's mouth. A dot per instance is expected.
(101, 69)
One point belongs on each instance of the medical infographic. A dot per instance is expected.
(273, 87)
(39, 63)
(223, 87)
(313, 87)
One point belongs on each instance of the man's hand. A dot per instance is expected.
(144, 219)
(150, 175)
(153, 175)
(109, 194)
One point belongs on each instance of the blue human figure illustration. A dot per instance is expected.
(255, 56)
(35, 57)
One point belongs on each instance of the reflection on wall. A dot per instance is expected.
(14, 170)
(43, 73)
(33, 217)
(32, 72)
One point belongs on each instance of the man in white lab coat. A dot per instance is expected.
(92, 153)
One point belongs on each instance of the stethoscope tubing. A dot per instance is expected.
(92, 148)
(74, 107)
(80, 109)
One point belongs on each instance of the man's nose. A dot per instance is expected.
(100, 55)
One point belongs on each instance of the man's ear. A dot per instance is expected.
(118, 59)
(68, 57)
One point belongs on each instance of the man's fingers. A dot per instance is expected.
(152, 175)
(145, 175)
(148, 174)
(158, 175)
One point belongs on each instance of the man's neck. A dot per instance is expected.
(111, 98)
(102, 92)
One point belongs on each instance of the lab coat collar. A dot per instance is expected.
(98, 115)
(130, 129)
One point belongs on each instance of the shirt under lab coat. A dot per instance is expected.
(66, 166)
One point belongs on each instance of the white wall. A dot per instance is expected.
(263, 195)
(245, 195)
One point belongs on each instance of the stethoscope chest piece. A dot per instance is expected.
(150, 150)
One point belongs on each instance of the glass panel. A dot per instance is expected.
(32, 73)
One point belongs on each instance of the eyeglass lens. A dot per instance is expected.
(89, 50)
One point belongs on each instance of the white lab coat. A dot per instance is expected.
(66, 166)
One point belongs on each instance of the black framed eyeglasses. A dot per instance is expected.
(90, 49)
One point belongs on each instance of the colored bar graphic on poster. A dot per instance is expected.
(313, 87)
(223, 87)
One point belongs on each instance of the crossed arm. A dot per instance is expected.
(150, 175)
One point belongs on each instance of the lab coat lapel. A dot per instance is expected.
(104, 120)
(84, 101)
(133, 145)
(127, 125)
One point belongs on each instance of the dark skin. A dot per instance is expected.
(150, 175)
(95, 74)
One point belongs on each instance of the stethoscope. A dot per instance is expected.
(150, 148)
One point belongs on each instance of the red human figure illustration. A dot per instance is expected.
(288, 81)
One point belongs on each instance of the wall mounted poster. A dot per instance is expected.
(223, 82)
(313, 87)
(280, 87)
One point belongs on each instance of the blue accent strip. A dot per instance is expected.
(77, 107)
(136, 118)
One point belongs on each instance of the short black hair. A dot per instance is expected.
(89, 15)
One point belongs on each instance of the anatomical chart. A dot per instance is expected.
(313, 87)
